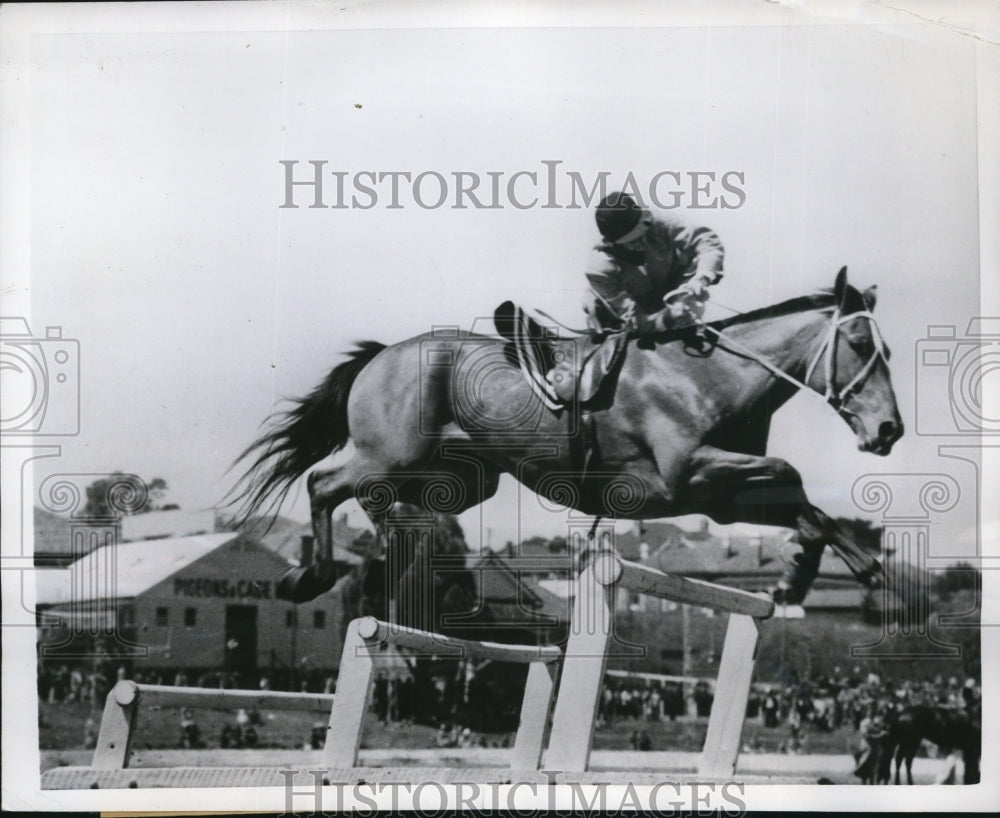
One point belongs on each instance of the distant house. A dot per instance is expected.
(514, 607)
(61, 540)
(173, 523)
(198, 603)
(751, 562)
(53, 540)
(288, 538)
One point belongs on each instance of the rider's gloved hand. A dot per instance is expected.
(697, 286)
(685, 307)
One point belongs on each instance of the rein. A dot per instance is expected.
(825, 351)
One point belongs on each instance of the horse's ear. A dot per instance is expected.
(870, 296)
(840, 288)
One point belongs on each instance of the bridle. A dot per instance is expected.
(834, 398)
(826, 349)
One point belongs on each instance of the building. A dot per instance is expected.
(53, 546)
(752, 562)
(196, 604)
(514, 606)
(286, 538)
(60, 540)
(160, 524)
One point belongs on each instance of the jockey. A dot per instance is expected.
(658, 273)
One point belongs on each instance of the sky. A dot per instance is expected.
(158, 242)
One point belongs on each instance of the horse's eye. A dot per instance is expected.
(863, 346)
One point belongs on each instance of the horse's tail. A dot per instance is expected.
(315, 427)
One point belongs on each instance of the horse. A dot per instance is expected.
(435, 420)
(948, 727)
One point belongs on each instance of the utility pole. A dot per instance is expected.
(686, 639)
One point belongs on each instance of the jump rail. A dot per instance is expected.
(592, 625)
(368, 637)
(114, 741)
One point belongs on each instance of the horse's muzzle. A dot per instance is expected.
(889, 432)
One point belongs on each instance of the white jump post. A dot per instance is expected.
(367, 639)
(592, 625)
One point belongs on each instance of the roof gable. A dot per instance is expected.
(239, 557)
(127, 570)
(284, 537)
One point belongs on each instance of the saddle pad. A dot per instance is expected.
(533, 349)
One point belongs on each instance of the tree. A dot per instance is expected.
(558, 545)
(124, 494)
(958, 577)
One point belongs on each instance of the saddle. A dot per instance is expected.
(561, 371)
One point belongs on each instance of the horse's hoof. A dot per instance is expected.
(304, 584)
(787, 594)
(873, 580)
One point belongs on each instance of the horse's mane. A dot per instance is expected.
(802, 303)
(819, 300)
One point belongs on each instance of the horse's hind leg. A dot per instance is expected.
(327, 489)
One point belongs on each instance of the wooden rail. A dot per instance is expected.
(114, 741)
(424, 643)
(612, 570)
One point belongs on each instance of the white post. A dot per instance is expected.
(350, 703)
(725, 725)
(535, 710)
(117, 723)
(591, 626)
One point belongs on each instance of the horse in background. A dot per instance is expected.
(949, 728)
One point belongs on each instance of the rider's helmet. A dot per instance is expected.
(620, 220)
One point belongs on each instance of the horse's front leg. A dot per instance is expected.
(734, 487)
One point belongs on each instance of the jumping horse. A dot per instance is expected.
(433, 421)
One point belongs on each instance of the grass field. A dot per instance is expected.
(63, 728)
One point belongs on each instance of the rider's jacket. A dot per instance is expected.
(628, 290)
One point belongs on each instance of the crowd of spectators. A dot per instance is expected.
(860, 702)
(839, 699)
(646, 699)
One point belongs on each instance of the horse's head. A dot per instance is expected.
(851, 369)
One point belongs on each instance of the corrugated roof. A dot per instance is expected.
(558, 564)
(138, 567)
(737, 555)
(498, 586)
(834, 598)
(161, 524)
